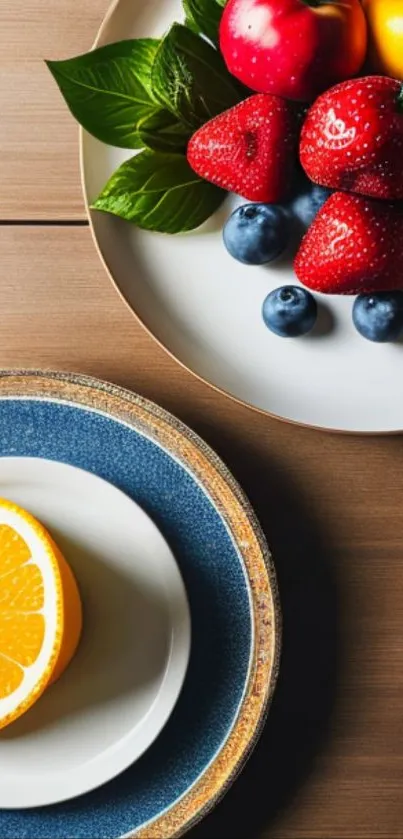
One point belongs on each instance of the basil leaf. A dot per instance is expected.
(159, 192)
(205, 15)
(189, 78)
(190, 22)
(163, 132)
(109, 90)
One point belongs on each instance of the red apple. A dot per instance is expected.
(293, 48)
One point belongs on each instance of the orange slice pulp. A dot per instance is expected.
(40, 612)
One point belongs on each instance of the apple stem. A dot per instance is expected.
(400, 99)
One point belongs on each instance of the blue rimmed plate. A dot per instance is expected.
(230, 583)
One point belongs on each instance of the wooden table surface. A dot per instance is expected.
(330, 763)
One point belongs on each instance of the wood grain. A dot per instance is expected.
(39, 172)
(330, 763)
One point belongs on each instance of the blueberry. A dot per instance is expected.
(307, 200)
(290, 311)
(379, 317)
(256, 233)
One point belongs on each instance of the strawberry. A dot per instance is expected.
(353, 138)
(249, 149)
(352, 246)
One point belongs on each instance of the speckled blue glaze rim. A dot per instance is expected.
(208, 470)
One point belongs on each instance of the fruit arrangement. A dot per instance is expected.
(296, 106)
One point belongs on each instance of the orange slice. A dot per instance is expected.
(40, 612)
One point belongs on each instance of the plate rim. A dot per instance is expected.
(237, 400)
(231, 502)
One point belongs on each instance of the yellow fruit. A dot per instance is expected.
(385, 21)
(40, 612)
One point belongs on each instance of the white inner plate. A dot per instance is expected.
(120, 689)
(205, 308)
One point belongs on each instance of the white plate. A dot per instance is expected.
(119, 691)
(205, 308)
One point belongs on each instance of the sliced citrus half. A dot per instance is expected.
(40, 611)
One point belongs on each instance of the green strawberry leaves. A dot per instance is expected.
(159, 192)
(151, 95)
